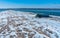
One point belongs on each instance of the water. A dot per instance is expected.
(46, 12)
(40, 11)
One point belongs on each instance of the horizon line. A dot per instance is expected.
(31, 8)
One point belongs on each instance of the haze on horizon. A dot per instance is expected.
(29, 3)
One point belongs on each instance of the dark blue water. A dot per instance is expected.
(46, 12)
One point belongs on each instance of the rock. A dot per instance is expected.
(41, 15)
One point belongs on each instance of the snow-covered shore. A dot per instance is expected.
(16, 24)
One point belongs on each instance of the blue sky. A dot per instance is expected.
(29, 3)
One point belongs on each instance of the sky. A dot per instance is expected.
(29, 3)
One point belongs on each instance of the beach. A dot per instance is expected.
(17, 24)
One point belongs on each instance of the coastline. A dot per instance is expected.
(27, 24)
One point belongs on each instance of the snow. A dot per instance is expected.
(37, 27)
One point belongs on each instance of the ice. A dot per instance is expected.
(24, 24)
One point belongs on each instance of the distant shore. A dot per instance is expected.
(32, 8)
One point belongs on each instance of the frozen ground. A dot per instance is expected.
(16, 24)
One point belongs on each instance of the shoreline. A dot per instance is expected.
(26, 25)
